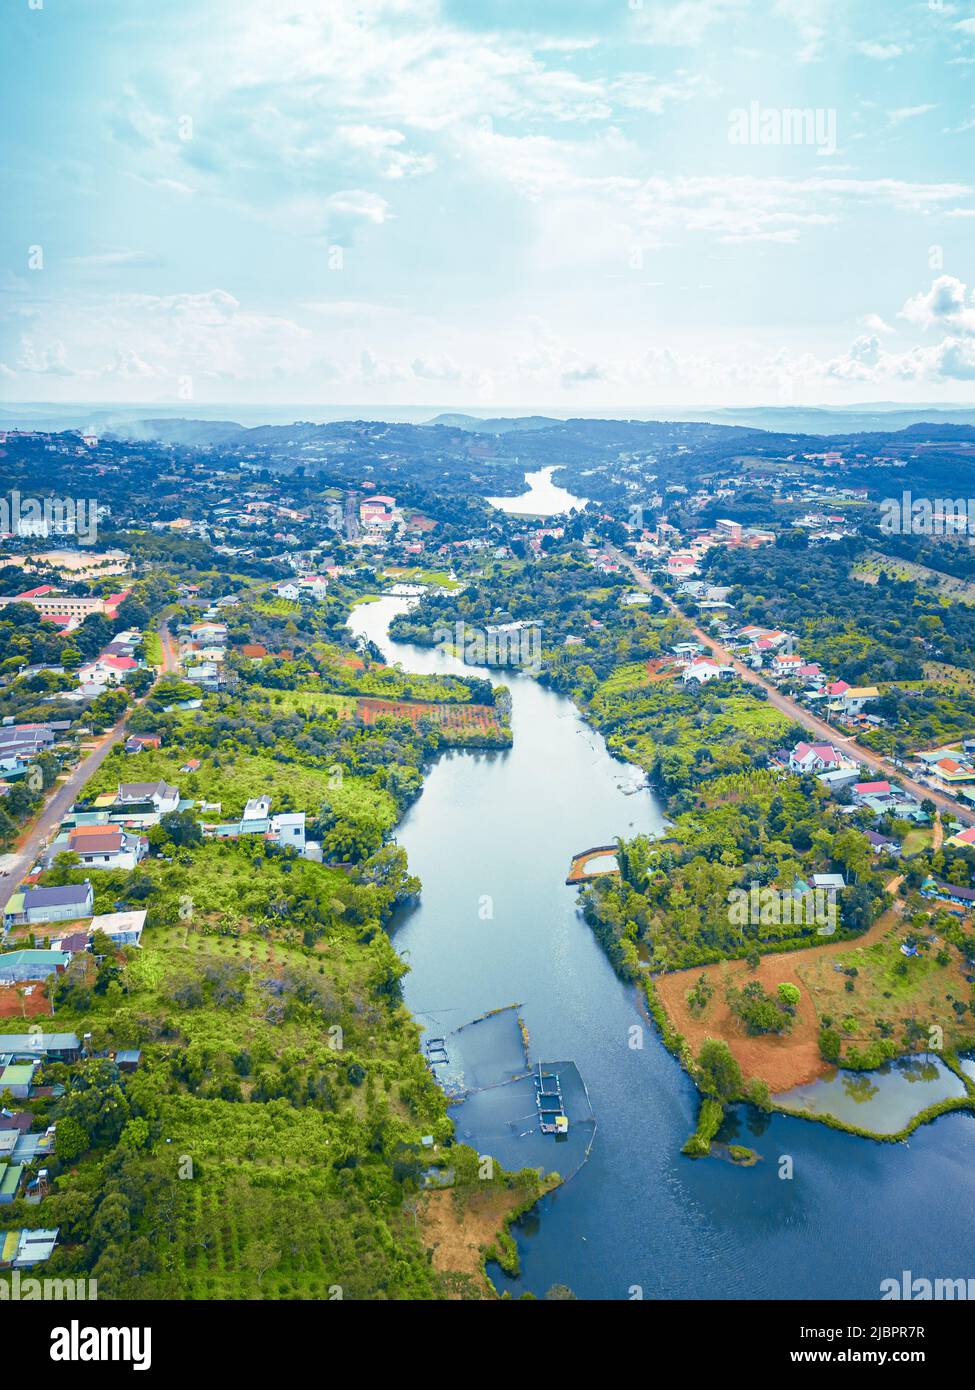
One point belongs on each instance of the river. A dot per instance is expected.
(495, 831)
(543, 498)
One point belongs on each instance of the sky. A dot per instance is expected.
(568, 204)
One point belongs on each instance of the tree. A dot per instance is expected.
(181, 827)
(790, 995)
(718, 1073)
(70, 1139)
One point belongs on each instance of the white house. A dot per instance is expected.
(258, 808)
(817, 757)
(107, 847)
(288, 828)
(122, 928)
(701, 671)
(107, 670)
(164, 797)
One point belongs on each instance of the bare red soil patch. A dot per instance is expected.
(783, 1061)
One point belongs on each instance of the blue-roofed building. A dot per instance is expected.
(18, 966)
(61, 904)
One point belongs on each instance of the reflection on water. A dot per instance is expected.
(543, 497)
(490, 837)
(882, 1101)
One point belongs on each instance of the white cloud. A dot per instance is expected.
(875, 324)
(947, 304)
(881, 52)
(909, 113)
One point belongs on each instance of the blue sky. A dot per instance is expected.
(541, 203)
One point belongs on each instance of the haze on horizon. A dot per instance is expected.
(403, 203)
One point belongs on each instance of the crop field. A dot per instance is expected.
(483, 718)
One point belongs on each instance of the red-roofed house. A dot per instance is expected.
(107, 670)
(817, 757)
(785, 665)
(871, 789)
(951, 772)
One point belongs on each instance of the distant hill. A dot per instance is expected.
(866, 419)
(502, 425)
(194, 433)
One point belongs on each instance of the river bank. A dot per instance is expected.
(490, 836)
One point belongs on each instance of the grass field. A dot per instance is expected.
(439, 579)
(875, 563)
(882, 990)
(233, 778)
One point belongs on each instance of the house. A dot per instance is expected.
(882, 844)
(122, 928)
(22, 742)
(817, 757)
(257, 808)
(107, 847)
(208, 632)
(313, 586)
(288, 589)
(72, 944)
(786, 664)
(52, 1047)
(129, 1059)
(838, 777)
(828, 881)
(853, 699)
(950, 893)
(377, 511)
(10, 1176)
(18, 966)
(682, 563)
(17, 1078)
(61, 904)
(951, 772)
(288, 829)
(701, 670)
(107, 670)
(163, 797)
(22, 1249)
(863, 790)
(964, 839)
(191, 765)
(18, 1121)
(138, 743)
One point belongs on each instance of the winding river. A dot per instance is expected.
(491, 837)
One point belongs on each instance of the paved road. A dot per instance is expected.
(65, 793)
(63, 797)
(823, 731)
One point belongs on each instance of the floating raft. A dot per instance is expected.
(436, 1052)
(552, 1118)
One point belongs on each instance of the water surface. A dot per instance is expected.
(883, 1101)
(491, 837)
(543, 498)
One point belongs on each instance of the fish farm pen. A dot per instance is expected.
(505, 1105)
